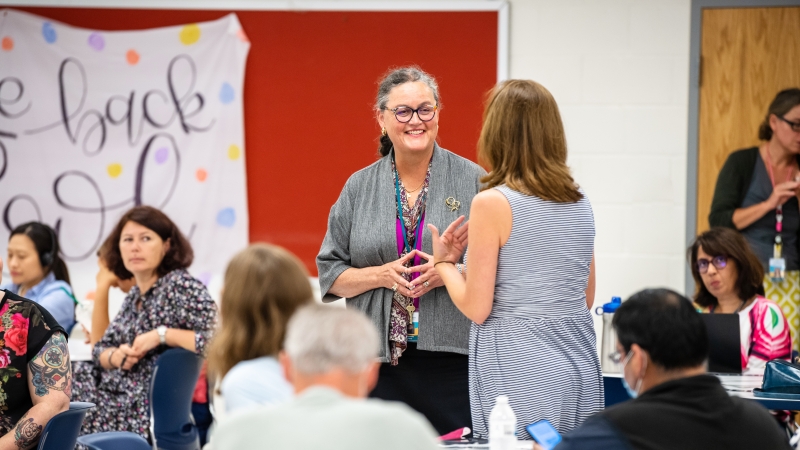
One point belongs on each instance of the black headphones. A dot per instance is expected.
(47, 258)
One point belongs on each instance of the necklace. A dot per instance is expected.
(414, 190)
(741, 306)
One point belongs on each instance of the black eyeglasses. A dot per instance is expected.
(403, 114)
(720, 262)
(795, 125)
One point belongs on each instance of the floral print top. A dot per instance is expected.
(176, 300)
(25, 328)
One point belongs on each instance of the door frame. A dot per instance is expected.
(694, 105)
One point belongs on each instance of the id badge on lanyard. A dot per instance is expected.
(777, 265)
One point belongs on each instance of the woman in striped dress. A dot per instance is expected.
(531, 269)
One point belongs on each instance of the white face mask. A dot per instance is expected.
(632, 392)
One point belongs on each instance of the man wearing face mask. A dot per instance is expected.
(676, 403)
(330, 356)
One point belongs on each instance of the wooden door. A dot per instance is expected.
(748, 56)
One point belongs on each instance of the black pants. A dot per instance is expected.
(436, 384)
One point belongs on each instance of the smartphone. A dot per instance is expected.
(544, 434)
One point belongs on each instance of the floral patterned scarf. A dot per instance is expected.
(399, 320)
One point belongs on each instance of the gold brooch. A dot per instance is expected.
(452, 203)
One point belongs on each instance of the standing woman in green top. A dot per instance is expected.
(757, 194)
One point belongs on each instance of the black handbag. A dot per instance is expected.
(781, 380)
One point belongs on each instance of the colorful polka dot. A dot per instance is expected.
(7, 44)
(190, 34)
(114, 170)
(97, 41)
(226, 93)
(161, 155)
(201, 175)
(234, 152)
(132, 57)
(226, 217)
(48, 32)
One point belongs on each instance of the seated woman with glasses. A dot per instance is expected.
(728, 278)
(756, 193)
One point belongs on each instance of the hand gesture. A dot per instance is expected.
(126, 357)
(146, 342)
(105, 278)
(390, 274)
(452, 243)
(782, 193)
(428, 276)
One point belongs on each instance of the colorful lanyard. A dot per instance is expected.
(401, 229)
(418, 240)
(70, 295)
(777, 250)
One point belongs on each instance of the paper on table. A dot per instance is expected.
(740, 383)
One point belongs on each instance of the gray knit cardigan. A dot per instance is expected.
(361, 233)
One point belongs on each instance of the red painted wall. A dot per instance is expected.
(309, 89)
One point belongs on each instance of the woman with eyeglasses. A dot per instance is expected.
(756, 193)
(728, 278)
(377, 251)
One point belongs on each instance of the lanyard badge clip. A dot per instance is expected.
(777, 264)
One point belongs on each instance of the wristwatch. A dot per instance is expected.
(162, 334)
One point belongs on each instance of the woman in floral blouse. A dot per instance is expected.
(35, 377)
(166, 308)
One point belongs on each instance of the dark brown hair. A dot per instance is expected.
(727, 242)
(264, 286)
(523, 143)
(45, 241)
(781, 104)
(179, 255)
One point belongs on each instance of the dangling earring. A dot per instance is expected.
(383, 131)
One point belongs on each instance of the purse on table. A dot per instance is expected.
(781, 380)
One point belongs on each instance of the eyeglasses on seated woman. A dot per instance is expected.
(729, 280)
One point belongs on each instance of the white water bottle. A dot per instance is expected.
(502, 426)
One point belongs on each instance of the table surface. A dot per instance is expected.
(742, 386)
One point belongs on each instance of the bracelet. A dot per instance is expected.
(109, 358)
(440, 262)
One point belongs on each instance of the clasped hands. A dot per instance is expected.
(126, 356)
(447, 247)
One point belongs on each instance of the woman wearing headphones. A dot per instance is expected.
(38, 272)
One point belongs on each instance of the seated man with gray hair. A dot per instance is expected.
(330, 357)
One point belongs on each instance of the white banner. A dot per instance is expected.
(95, 122)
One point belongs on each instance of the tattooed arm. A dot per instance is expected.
(49, 383)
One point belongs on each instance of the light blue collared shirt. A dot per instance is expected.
(257, 382)
(53, 295)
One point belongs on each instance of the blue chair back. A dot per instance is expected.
(114, 440)
(171, 388)
(614, 391)
(61, 432)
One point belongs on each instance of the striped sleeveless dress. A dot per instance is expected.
(538, 344)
